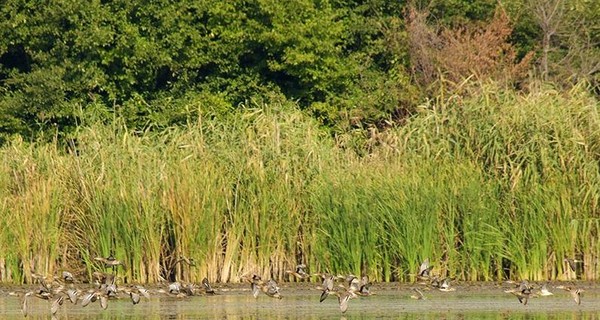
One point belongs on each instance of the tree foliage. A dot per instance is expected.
(346, 62)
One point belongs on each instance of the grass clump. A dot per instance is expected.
(496, 186)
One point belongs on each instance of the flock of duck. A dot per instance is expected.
(61, 289)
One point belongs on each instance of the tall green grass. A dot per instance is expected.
(500, 185)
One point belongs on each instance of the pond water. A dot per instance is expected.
(301, 301)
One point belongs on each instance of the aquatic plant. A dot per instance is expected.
(497, 186)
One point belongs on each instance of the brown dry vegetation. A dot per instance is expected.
(456, 54)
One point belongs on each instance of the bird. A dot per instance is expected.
(271, 289)
(189, 261)
(445, 286)
(101, 278)
(103, 301)
(109, 287)
(353, 284)
(424, 270)
(174, 288)
(25, 303)
(435, 281)
(544, 291)
(417, 295)
(575, 293)
(136, 292)
(207, 287)
(572, 263)
(44, 291)
(135, 297)
(343, 298)
(56, 304)
(109, 262)
(327, 287)
(255, 285)
(365, 286)
(300, 272)
(73, 295)
(143, 291)
(522, 292)
(68, 277)
(189, 289)
(93, 296)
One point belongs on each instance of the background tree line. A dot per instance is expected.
(346, 63)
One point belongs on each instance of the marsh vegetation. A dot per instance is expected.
(498, 186)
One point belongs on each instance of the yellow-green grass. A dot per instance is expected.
(500, 185)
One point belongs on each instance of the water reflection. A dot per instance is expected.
(304, 304)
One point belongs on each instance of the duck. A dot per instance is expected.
(344, 296)
(522, 292)
(271, 289)
(417, 295)
(300, 272)
(327, 287)
(207, 287)
(575, 293)
(544, 292)
(424, 270)
(445, 286)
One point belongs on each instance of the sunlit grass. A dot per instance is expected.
(504, 185)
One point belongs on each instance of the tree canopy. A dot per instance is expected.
(344, 62)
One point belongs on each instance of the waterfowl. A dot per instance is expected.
(135, 293)
(56, 304)
(343, 298)
(571, 266)
(135, 297)
(189, 261)
(435, 281)
(353, 284)
(271, 289)
(522, 296)
(255, 285)
(575, 293)
(88, 298)
(189, 289)
(207, 287)
(417, 295)
(544, 291)
(110, 262)
(143, 291)
(445, 286)
(73, 295)
(103, 301)
(110, 288)
(68, 277)
(572, 263)
(365, 285)
(522, 292)
(300, 272)
(25, 303)
(327, 287)
(424, 270)
(93, 296)
(43, 292)
(174, 288)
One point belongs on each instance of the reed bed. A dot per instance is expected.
(494, 187)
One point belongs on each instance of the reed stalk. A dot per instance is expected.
(496, 186)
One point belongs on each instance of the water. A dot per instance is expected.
(302, 302)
